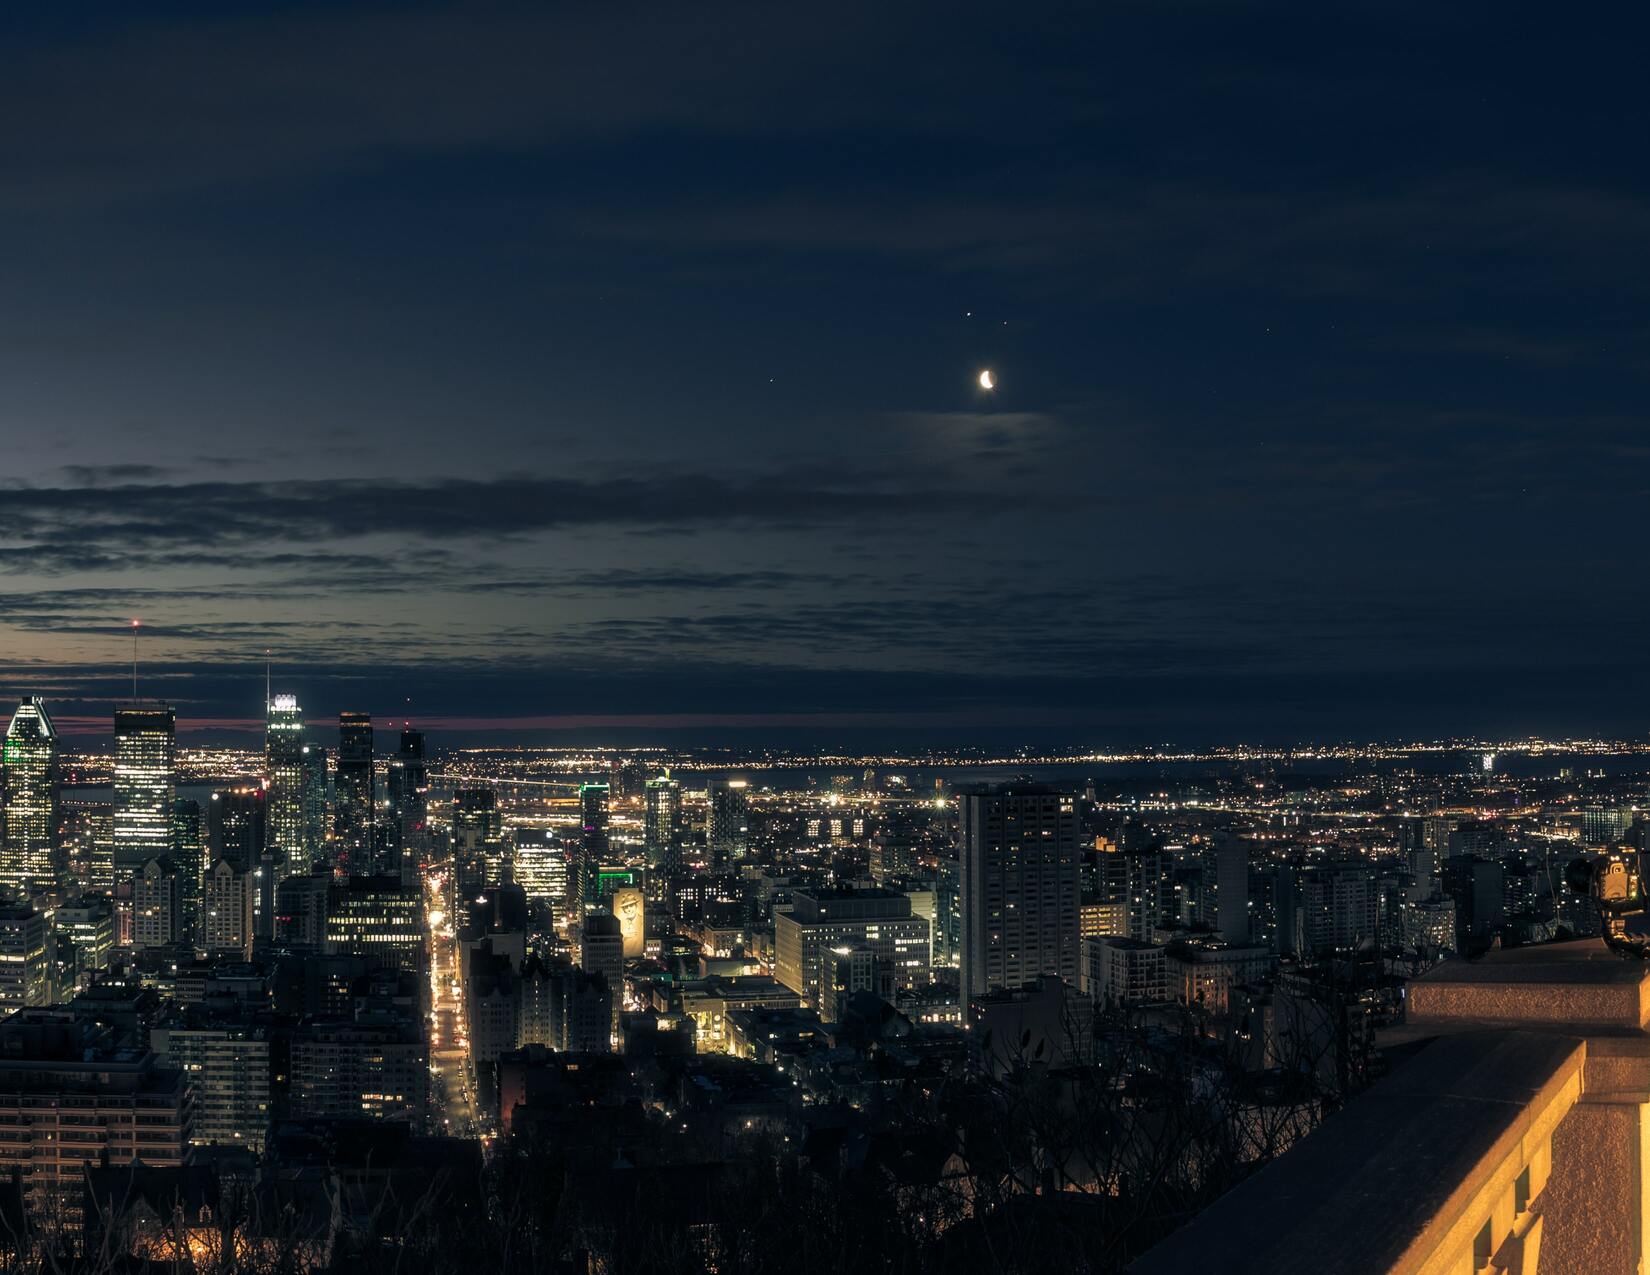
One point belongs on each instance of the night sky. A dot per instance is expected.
(609, 371)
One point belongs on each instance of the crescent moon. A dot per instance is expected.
(986, 383)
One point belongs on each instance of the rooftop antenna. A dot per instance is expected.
(134, 656)
(268, 698)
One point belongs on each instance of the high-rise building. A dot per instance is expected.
(356, 795)
(229, 911)
(288, 825)
(25, 976)
(1021, 873)
(84, 931)
(1327, 908)
(316, 826)
(406, 821)
(29, 818)
(593, 845)
(145, 784)
(189, 852)
(727, 821)
(601, 951)
(478, 841)
(157, 904)
(1231, 871)
(372, 1068)
(661, 829)
(541, 868)
(227, 1062)
(237, 823)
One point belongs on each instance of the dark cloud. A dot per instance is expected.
(215, 513)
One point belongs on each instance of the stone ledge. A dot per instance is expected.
(1581, 986)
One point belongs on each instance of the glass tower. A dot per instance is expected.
(284, 764)
(355, 795)
(28, 835)
(145, 783)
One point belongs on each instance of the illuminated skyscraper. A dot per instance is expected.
(28, 835)
(478, 841)
(1020, 884)
(355, 793)
(407, 819)
(145, 783)
(661, 830)
(315, 802)
(593, 845)
(727, 821)
(284, 765)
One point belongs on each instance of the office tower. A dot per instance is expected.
(157, 904)
(822, 920)
(727, 822)
(288, 829)
(593, 845)
(1231, 856)
(229, 912)
(478, 841)
(375, 918)
(25, 977)
(601, 951)
(316, 800)
(88, 1097)
(237, 822)
(145, 783)
(1020, 878)
(227, 1061)
(355, 795)
(406, 819)
(661, 830)
(29, 818)
(541, 868)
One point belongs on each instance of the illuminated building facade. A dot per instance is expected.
(477, 840)
(593, 845)
(145, 783)
(29, 830)
(25, 977)
(727, 821)
(662, 824)
(288, 822)
(375, 918)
